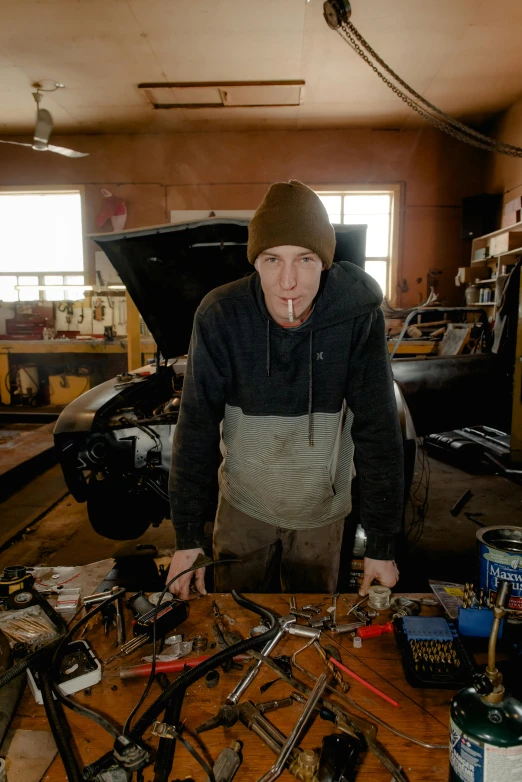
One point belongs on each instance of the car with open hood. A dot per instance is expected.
(114, 442)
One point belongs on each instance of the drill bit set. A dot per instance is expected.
(475, 617)
(471, 600)
(432, 653)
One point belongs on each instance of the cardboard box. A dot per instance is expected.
(503, 243)
(472, 273)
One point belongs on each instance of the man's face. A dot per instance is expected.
(289, 272)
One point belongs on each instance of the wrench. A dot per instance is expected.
(250, 675)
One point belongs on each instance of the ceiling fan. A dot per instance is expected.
(43, 130)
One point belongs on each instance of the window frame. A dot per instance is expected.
(396, 193)
(43, 190)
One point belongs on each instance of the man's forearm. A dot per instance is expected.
(190, 535)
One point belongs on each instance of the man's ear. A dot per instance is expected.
(256, 264)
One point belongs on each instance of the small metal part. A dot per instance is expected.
(199, 643)
(315, 608)
(163, 730)
(229, 619)
(292, 603)
(258, 630)
(267, 706)
(357, 642)
(304, 632)
(324, 620)
(348, 628)
(333, 608)
(129, 647)
(212, 679)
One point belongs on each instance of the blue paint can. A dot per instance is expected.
(500, 559)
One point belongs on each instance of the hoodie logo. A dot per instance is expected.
(320, 356)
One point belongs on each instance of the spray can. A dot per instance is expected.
(486, 722)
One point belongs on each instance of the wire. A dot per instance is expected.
(419, 496)
(201, 760)
(57, 660)
(207, 563)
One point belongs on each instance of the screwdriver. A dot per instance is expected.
(372, 631)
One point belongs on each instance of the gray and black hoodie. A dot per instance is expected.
(291, 410)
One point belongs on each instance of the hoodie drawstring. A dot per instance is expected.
(310, 387)
(310, 379)
(268, 348)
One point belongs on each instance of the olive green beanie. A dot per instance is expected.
(291, 213)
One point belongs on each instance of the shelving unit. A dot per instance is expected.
(494, 262)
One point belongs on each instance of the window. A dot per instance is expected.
(378, 210)
(41, 244)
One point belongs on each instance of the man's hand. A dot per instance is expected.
(181, 561)
(383, 571)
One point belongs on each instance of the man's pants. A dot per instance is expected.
(307, 560)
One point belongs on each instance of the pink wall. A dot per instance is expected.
(506, 172)
(157, 173)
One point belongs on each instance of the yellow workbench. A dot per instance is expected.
(84, 346)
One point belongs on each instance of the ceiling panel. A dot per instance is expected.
(465, 56)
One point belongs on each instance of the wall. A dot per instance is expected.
(505, 174)
(157, 173)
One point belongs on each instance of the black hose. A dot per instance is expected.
(167, 747)
(59, 727)
(186, 679)
(30, 661)
(56, 663)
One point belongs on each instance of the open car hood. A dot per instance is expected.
(168, 269)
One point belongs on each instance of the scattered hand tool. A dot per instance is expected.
(294, 611)
(373, 631)
(264, 708)
(461, 502)
(360, 613)
(284, 623)
(173, 666)
(291, 741)
(367, 729)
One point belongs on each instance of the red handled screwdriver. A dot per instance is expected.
(372, 631)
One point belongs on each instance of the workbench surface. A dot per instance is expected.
(423, 714)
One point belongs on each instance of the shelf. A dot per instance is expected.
(514, 228)
(484, 304)
(516, 251)
(488, 281)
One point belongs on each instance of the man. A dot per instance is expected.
(288, 370)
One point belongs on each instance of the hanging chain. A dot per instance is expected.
(442, 121)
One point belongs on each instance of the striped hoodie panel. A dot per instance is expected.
(270, 473)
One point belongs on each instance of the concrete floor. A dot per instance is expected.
(446, 549)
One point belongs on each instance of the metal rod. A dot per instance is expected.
(293, 738)
(252, 672)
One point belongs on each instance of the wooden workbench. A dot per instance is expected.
(422, 713)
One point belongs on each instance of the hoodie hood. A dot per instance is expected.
(346, 292)
(169, 269)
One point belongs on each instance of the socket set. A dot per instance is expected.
(433, 655)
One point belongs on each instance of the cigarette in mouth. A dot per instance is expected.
(290, 311)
